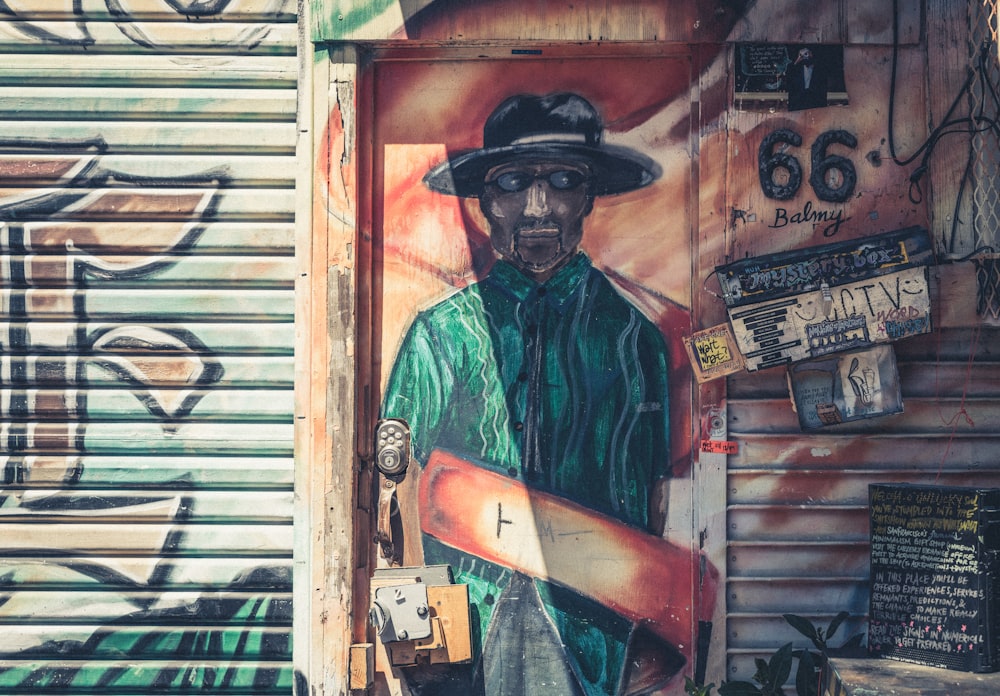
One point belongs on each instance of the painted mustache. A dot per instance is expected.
(538, 228)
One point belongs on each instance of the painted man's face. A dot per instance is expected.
(536, 209)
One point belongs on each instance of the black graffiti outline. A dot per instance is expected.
(41, 34)
(72, 190)
(247, 39)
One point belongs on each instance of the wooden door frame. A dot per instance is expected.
(336, 403)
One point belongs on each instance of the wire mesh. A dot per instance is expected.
(985, 153)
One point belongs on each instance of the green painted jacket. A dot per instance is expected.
(562, 386)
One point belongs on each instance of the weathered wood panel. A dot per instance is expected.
(590, 20)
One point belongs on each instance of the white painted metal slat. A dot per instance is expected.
(143, 103)
(272, 238)
(150, 70)
(163, 136)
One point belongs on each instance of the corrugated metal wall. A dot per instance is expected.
(798, 506)
(146, 255)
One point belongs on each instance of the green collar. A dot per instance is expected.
(557, 290)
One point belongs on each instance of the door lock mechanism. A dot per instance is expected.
(392, 456)
(392, 446)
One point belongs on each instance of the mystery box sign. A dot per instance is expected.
(806, 303)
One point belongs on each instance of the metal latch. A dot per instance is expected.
(401, 613)
(421, 616)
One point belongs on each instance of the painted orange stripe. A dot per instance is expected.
(638, 575)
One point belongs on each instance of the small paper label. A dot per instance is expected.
(719, 446)
(713, 353)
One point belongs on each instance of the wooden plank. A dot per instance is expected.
(48, 507)
(917, 379)
(122, 403)
(243, 10)
(978, 342)
(588, 20)
(146, 538)
(872, 23)
(362, 665)
(20, 36)
(240, 170)
(174, 201)
(948, 62)
(770, 21)
(187, 270)
(149, 438)
(75, 370)
(334, 579)
(91, 677)
(176, 573)
(259, 642)
(93, 472)
(57, 577)
(875, 677)
(959, 292)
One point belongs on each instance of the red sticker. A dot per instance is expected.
(719, 446)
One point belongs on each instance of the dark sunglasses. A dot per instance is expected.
(562, 180)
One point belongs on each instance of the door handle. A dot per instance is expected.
(392, 457)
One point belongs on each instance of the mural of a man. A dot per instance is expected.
(544, 373)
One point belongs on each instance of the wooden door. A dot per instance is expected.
(449, 350)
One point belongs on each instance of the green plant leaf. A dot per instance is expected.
(835, 624)
(693, 688)
(806, 676)
(854, 641)
(803, 626)
(780, 667)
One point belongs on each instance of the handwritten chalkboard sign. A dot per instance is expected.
(934, 575)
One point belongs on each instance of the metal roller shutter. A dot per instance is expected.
(147, 198)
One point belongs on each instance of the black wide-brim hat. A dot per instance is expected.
(560, 126)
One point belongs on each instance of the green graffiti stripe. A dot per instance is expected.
(334, 22)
